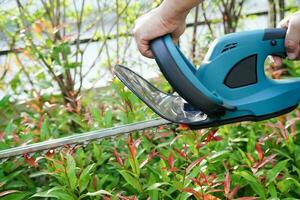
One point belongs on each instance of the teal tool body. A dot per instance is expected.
(229, 86)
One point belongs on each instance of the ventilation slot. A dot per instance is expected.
(229, 46)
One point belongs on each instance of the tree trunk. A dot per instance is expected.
(281, 9)
(272, 14)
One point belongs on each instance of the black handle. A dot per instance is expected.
(274, 33)
(181, 84)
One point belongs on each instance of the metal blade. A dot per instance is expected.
(81, 138)
(171, 107)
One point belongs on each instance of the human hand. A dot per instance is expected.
(292, 40)
(158, 22)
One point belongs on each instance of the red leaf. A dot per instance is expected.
(182, 154)
(193, 164)
(211, 136)
(1, 135)
(234, 191)
(227, 184)
(50, 154)
(183, 127)
(118, 158)
(16, 138)
(30, 160)
(160, 128)
(95, 182)
(164, 134)
(131, 147)
(202, 177)
(259, 151)
(247, 198)
(194, 192)
(209, 197)
(196, 181)
(217, 138)
(171, 160)
(262, 163)
(283, 130)
(40, 123)
(199, 145)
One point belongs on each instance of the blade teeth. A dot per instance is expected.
(85, 143)
(3, 160)
(18, 157)
(44, 152)
(15, 154)
(31, 154)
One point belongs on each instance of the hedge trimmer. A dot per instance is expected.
(230, 86)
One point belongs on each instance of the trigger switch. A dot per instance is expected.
(273, 43)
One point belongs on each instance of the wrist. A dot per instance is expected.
(178, 9)
(172, 11)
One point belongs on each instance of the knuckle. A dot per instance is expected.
(290, 44)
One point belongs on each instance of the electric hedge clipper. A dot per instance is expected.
(229, 86)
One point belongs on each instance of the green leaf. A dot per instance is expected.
(284, 185)
(156, 186)
(45, 133)
(273, 173)
(17, 196)
(135, 166)
(85, 177)
(253, 182)
(71, 171)
(131, 180)
(152, 180)
(15, 82)
(272, 191)
(6, 179)
(57, 192)
(72, 65)
(97, 193)
(244, 157)
(108, 118)
(218, 156)
(9, 129)
(4, 101)
(48, 43)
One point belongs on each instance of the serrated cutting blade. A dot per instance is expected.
(81, 138)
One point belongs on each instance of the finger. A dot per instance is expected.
(283, 23)
(292, 39)
(144, 48)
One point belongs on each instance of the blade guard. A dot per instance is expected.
(230, 84)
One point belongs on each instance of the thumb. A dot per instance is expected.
(292, 39)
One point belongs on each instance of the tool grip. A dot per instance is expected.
(180, 73)
(272, 35)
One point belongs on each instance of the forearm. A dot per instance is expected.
(178, 8)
